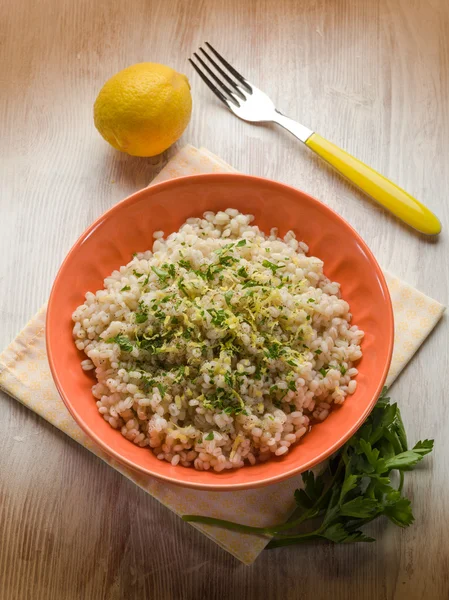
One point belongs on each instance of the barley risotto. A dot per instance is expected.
(220, 347)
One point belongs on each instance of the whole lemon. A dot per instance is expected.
(143, 109)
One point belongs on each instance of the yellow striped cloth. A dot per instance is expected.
(25, 375)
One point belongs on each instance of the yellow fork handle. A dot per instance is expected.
(381, 189)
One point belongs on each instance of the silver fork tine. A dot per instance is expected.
(220, 83)
(210, 85)
(223, 74)
(230, 68)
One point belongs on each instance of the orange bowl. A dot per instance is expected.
(128, 227)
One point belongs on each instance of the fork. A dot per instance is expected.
(249, 103)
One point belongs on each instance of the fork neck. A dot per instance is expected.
(295, 128)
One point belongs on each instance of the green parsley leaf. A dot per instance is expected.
(162, 275)
(398, 509)
(349, 484)
(125, 288)
(162, 389)
(122, 341)
(312, 491)
(423, 447)
(209, 436)
(271, 266)
(241, 243)
(360, 508)
(218, 316)
(251, 283)
(141, 317)
(171, 269)
(185, 264)
(227, 261)
(339, 535)
(273, 350)
(406, 459)
(224, 248)
(227, 296)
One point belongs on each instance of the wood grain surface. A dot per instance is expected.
(373, 76)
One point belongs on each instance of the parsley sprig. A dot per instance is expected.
(355, 488)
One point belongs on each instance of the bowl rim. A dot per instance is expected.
(219, 486)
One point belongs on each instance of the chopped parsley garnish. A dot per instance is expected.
(250, 283)
(141, 317)
(228, 401)
(125, 288)
(218, 316)
(229, 379)
(258, 373)
(161, 274)
(182, 287)
(274, 350)
(162, 389)
(186, 264)
(227, 296)
(170, 268)
(227, 261)
(272, 266)
(209, 436)
(122, 341)
(187, 333)
(181, 373)
(224, 248)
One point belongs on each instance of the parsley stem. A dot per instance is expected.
(290, 540)
(308, 514)
(361, 522)
(227, 524)
(370, 489)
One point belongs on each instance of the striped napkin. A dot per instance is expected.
(25, 375)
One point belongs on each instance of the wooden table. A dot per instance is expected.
(373, 76)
